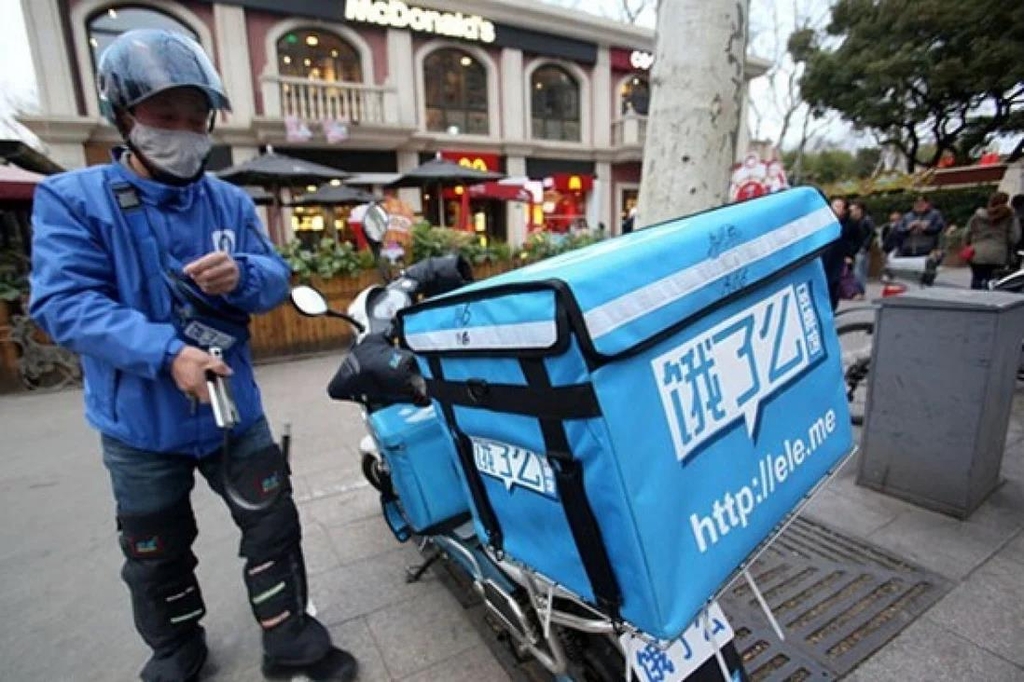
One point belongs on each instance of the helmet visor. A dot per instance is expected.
(143, 63)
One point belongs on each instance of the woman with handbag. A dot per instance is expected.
(992, 234)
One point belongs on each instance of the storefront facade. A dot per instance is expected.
(554, 99)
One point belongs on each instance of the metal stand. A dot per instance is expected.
(414, 573)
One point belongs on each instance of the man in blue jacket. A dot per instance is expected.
(919, 231)
(141, 266)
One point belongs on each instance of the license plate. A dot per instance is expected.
(688, 652)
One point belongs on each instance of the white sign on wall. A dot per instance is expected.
(639, 59)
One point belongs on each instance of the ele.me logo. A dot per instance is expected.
(722, 375)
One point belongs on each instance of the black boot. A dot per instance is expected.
(182, 664)
(294, 642)
(166, 600)
(337, 666)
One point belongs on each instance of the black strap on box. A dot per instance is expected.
(555, 402)
(488, 519)
(578, 512)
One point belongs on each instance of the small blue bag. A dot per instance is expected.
(419, 452)
(635, 418)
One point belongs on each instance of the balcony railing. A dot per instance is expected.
(317, 100)
(629, 130)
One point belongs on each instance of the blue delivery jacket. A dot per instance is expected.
(97, 289)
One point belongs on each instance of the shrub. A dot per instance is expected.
(956, 205)
(14, 269)
(333, 259)
(330, 259)
(541, 245)
(429, 241)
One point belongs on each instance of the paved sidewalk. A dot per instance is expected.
(976, 632)
(67, 615)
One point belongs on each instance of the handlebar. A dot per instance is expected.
(360, 327)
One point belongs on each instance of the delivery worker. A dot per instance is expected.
(141, 266)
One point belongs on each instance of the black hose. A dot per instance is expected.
(233, 495)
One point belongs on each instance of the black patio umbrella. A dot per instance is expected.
(442, 173)
(274, 171)
(335, 195)
(259, 196)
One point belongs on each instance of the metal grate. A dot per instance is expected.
(837, 599)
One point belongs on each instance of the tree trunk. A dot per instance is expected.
(697, 88)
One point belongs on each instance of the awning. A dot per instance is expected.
(499, 191)
(18, 184)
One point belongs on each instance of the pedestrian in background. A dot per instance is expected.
(865, 226)
(888, 232)
(992, 234)
(1017, 204)
(630, 222)
(917, 233)
(136, 266)
(839, 257)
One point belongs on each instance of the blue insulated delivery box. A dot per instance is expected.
(636, 417)
(420, 455)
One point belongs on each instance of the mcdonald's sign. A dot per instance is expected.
(476, 160)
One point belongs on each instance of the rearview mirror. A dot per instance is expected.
(375, 223)
(309, 301)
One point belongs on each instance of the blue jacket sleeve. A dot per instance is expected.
(936, 223)
(264, 276)
(74, 293)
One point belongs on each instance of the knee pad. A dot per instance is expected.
(277, 589)
(270, 531)
(158, 569)
(258, 478)
(275, 574)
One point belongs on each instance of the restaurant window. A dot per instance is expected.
(106, 25)
(636, 95)
(456, 93)
(555, 104)
(318, 55)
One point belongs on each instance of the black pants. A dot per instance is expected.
(981, 274)
(157, 529)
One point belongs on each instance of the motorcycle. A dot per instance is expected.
(408, 458)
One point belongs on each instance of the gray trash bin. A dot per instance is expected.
(943, 374)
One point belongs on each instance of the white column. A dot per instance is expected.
(602, 99)
(516, 215)
(513, 104)
(68, 155)
(401, 76)
(51, 59)
(604, 199)
(233, 62)
(410, 195)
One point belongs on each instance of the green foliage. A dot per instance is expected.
(329, 259)
(956, 205)
(541, 245)
(832, 165)
(865, 161)
(13, 276)
(942, 71)
(428, 241)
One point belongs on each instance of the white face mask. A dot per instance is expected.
(180, 153)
